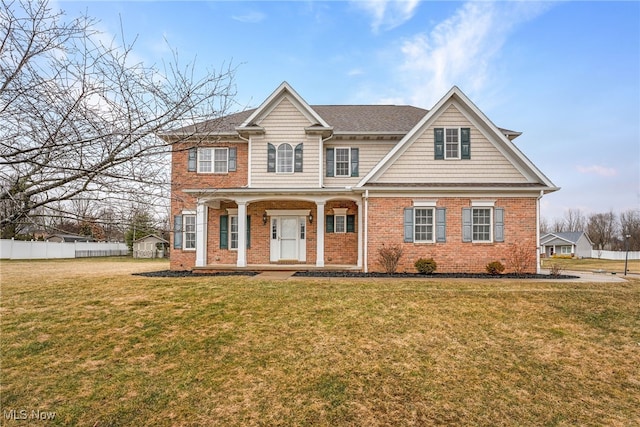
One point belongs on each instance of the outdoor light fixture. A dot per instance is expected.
(310, 218)
(264, 218)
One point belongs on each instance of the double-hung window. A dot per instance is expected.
(189, 231)
(340, 224)
(213, 160)
(452, 143)
(481, 224)
(423, 225)
(343, 162)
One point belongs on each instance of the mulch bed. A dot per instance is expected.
(187, 273)
(356, 274)
(348, 274)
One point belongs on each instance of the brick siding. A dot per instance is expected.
(386, 222)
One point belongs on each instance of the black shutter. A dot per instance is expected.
(248, 231)
(271, 158)
(329, 161)
(193, 157)
(351, 223)
(438, 143)
(297, 162)
(354, 161)
(233, 159)
(224, 232)
(329, 226)
(177, 232)
(465, 139)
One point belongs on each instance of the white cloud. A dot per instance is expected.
(252, 17)
(388, 14)
(462, 50)
(355, 72)
(597, 170)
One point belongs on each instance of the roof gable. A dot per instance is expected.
(479, 121)
(284, 90)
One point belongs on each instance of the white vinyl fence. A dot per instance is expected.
(619, 255)
(17, 249)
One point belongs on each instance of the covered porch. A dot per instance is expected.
(278, 230)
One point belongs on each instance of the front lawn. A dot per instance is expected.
(593, 264)
(103, 347)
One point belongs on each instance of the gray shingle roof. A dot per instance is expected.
(343, 118)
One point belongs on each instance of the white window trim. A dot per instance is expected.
(490, 208)
(213, 160)
(458, 129)
(293, 159)
(433, 223)
(335, 162)
(185, 215)
(344, 224)
(483, 203)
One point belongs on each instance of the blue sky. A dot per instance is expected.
(566, 74)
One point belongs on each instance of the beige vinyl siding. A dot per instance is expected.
(417, 164)
(284, 124)
(369, 154)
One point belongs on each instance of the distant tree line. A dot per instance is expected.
(607, 230)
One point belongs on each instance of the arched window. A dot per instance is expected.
(284, 159)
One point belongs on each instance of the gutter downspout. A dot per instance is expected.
(538, 266)
(321, 159)
(366, 231)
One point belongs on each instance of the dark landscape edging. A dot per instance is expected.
(357, 274)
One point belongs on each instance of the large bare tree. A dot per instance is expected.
(78, 116)
(601, 229)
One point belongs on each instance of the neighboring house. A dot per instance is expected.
(575, 244)
(150, 246)
(327, 186)
(69, 238)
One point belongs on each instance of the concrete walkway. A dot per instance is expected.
(274, 275)
(588, 276)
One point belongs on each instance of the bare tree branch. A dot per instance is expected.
(80, 118)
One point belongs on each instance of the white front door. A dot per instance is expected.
(288, 238)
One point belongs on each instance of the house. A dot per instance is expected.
(73, 238)
(294, 185)
(150, 246)
(574, 244)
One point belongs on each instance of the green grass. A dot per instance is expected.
(111, 349)
(593, 264)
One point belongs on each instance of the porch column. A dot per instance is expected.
(201, 234)
(360, 239)
(242, 234)
(320, 234)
